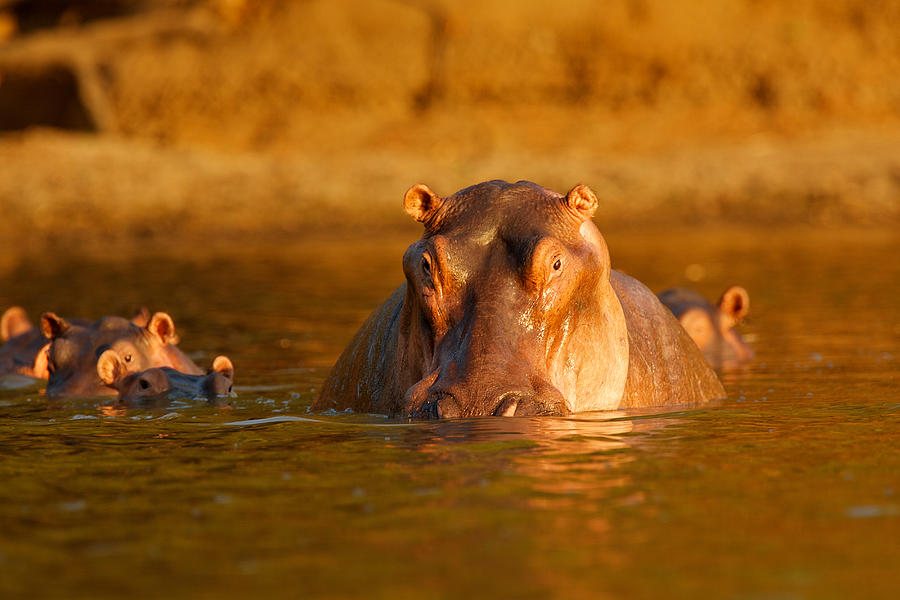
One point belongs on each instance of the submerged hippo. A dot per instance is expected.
(712, 327)
(25, 346)
(510, 308)
(75, 349)
(162, 384)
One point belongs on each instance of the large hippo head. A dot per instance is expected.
(72, 354)
(508, 307)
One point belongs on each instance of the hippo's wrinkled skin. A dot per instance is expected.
(712, 327)
(510, 308)
(74, 350)
(159, 385)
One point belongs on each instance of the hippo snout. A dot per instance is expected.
(152, 382)
(517, 404)
(439, 405)
(218, 385)
(446, 405)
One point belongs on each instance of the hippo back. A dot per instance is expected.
(364, 379)
(665, 367)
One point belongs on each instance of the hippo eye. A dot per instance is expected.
(557, 264)
(128, 358)
(426, 266)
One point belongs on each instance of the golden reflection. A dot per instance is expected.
(573, 460)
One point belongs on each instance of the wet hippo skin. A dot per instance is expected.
(712, 327)
(24, 345)
(159, 385)
(73, 352)
(510, 308)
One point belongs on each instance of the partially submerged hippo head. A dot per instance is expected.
(26, 348)
(72, 354)
(510, 308)
(713, 327)
(162, 384)
(500, 292)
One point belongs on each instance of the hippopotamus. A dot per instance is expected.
(510, 307)
(159, 385)
(74, 350)
(24, 348)
(22, 342)
(712, 327)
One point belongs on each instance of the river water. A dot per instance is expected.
(790, 488)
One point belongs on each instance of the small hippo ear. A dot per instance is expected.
(14, 322)
(110, 367)
(222, 364)
(582, 200)
(40, 368)
(734, 304)
(141, 316)
(162, 327)
(421, 203)
(53, 326)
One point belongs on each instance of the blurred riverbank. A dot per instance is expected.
(226, 119)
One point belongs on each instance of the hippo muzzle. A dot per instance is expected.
(488, 365)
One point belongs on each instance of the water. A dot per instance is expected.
(788, 489)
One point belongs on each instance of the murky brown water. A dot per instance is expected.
(789, 489)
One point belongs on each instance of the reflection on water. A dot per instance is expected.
(787, 489)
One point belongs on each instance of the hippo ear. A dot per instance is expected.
(53, 326)
(110, 367)
(421, 203)
(40, 368)
(162, 327)
(582, 200)
(222, 364)
(141, 316)
(734, 304)
(14, 322)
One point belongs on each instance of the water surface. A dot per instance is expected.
(788, 489)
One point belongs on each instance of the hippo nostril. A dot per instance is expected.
(448, 407)
(508, 405)
(144, 384)
(543, 406)
(439, 405)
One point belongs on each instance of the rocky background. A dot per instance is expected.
(139, 119)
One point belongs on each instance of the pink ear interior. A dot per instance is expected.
(109, 367)
(53, 326)
(163, 327)
(223, 365)
(420, 202)
(582, 200)
(735, 303)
